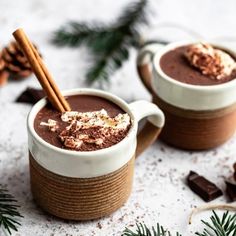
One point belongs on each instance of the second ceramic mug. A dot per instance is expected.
(197, 117)
(88, 185)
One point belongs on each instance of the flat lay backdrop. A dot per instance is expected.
(159, 192)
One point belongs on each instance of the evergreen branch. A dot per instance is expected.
(109, 44)
(134, 15)
(224, 226)
(73, 34)
(143, 230)
(8, 211)
(106, 66)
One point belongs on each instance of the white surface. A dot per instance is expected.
(187, 96)
(159, 192)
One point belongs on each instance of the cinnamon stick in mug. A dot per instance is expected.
(40, 70)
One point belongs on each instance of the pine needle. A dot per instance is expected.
(224, 226)
(73, 34)
(143, 230)
(8, 211)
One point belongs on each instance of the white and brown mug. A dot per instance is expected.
(87, 185)
(197, 117)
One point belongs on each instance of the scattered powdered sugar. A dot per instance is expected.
(210, 61)
(90, 128)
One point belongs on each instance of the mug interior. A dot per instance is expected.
(93, 92)
(171, 46)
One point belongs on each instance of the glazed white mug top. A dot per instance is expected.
(91, 163)
(183, 95)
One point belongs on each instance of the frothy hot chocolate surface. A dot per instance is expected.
(94, 123)
(199, 64)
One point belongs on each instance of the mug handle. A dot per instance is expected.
(144, 63)
(152, 128)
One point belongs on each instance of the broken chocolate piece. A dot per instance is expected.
(231, 181)
(31, 95)
(234, 170)
(207, 190)
(231, 191)
(231, 188)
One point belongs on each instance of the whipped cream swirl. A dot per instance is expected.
(213, 62)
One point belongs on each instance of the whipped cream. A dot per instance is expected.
(210, 61)
(94, 127)
(51, 124)
(100, 118)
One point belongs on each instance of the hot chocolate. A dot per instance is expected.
(199, 64)
(94, 123)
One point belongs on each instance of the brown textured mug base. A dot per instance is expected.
(80, 198)
(196, 130)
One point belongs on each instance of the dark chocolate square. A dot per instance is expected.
(207, 190)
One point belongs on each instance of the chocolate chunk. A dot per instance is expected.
(231, 188)
(207, 190)
(231, 181)
(231, 191)
(234, 166)
(31, 95)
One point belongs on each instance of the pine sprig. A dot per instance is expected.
(109, 44)
(8, 211)
(224, 226)
(73, 34)
(143, 230)
(112, 60)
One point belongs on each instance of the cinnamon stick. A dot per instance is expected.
(40, 70)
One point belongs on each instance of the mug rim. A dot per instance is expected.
(88, 91)
(170, 46)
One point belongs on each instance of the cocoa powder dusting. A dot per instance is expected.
(94, 133)
(175, 64)
(94, 123)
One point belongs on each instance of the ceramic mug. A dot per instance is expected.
(88, 185)
(197, 117)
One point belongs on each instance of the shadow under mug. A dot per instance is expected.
(88, 185)
(197, 117)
